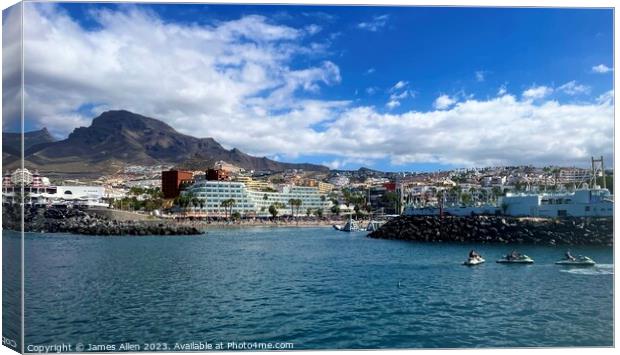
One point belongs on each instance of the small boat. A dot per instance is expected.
(350, 226)
(521, 259)
(474, 261)
(578, 261)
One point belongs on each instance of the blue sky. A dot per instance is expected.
(393, 88)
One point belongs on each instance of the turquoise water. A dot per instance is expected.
(316, 288)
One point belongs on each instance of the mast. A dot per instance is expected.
(596, 165)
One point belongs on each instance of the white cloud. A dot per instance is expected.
(574, 88)
(443, 102)
(371, 90)
(480, 75)
(375, 24)
(235, 81)
(400, 96)
(392, 104)
(601, 69)
(334, 164)
(606, 98)
(313, 29)
(370, 71)
(200, 79)
(498, 131)
(502, 90)
(537, 92)
(399, 85)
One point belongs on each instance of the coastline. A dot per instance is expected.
(253, 224)
(499, 229)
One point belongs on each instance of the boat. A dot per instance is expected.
(350, 226)
(521, 259)
(474, 261)
(578, 261)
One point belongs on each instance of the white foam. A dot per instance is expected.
(599, 269)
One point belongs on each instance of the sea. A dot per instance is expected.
(302, 288)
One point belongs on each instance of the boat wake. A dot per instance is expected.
(599, 269)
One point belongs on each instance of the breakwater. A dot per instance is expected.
(499, 229)
(78, 221)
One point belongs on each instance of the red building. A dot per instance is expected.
(171, 182)
(390, 186)
(217, 175)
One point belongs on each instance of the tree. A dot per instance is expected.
(496, 192)
(466, 198)
(295, 204)
(456, 192)
(236, 215)
(228, 205)
(390, 198)
(265, 197)
(346, 195)
(335, 210)
(136, 191)
(273, 211)
(308, 212)
(319, 212)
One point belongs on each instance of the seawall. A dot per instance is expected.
(499, 229)
(78, 221)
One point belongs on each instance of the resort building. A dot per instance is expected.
(251, 184)
(211, 194)
(38, 191)
(323, 187)
(172, 180)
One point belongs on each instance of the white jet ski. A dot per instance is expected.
(521, 259)
(578, 261)
(474, 261)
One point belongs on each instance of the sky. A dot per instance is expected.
(390, 88)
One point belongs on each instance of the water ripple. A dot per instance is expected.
(317, 288)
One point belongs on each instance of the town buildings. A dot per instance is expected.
(172, 180)
(38, 191)
(210, 194)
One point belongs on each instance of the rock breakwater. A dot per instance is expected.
(499, 229)
(77, 221)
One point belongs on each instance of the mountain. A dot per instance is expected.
(117, 138)
(11, 143)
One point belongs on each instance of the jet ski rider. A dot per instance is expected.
(569, 256)
(473, 254)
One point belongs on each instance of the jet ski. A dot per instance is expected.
(474, 261)
(578, 261)
(520, 259)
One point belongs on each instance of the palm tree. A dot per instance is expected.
(456, 192)
(295, 204)
(495, 193)
(291, 204)
(228, 205)
(273, 210)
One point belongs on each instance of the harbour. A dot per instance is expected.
(343, 291)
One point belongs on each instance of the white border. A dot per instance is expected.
(477, 3)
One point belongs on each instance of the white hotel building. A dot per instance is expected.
(252, 202)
